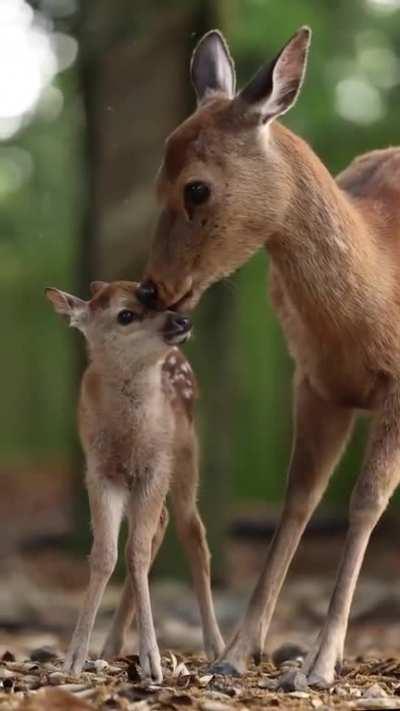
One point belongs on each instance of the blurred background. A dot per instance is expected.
(88, 93)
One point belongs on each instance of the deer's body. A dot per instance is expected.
(138, 434)
(335, 273)
(233, 180)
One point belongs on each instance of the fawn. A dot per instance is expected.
(233, 180)
(137, 430)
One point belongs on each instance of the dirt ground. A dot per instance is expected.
(40, 594)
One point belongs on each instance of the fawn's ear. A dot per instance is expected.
(211, 68)
(75, 309)
(96, 286)
(276, 86)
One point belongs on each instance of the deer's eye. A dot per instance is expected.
(126, 317)
(196, 193)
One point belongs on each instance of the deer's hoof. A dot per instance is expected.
(316, 681)
(224, 669)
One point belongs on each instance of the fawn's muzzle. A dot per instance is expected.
(177, 329)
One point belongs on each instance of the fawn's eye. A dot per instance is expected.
(196, 193)
(125, 317)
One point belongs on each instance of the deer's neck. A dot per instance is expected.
(323, 249)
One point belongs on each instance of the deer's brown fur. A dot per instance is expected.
(334, 250)
(138, 434)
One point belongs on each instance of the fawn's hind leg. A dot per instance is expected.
(106, 507)
(192, 535)
(125, 612)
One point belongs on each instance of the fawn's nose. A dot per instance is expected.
(147, 294)
(180, 324)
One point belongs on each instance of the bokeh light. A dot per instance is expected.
(359, 101)
(30, 56)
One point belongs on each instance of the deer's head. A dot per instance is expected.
(222, 183)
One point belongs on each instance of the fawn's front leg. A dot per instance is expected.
(379, 478)
(125, 612)
(321, 430)
(144, 510)
(106, 507)
(192, 535)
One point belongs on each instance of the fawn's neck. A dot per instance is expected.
(138, 380)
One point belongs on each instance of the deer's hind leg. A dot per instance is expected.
(321, 431)
(192, 534)
(125, 612)
(379, 478)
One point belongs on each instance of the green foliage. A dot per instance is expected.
(41, 232)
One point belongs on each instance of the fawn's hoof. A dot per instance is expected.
(224, 669)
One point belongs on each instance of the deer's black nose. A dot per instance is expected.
(147, 293)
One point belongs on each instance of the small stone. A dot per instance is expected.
(288, 653)
(341, 690)
(205, 679)
(293, 681)
(43, 654)
(56, 678)
(95, 665)
(269, 684)
(375, 692)
(32, 682)
(89, 666)
(299, 694)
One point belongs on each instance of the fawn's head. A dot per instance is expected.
(220, 168)
(117, 326)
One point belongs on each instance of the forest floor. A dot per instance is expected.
(40, 593)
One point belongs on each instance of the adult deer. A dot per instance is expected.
(233, 180)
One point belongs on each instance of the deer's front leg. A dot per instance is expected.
(375, 485)
(144, 515)
(106, 506)
(321, 430)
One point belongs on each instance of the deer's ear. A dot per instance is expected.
(75, 309)
(96, 286)
(276, 86)
(212, 69)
